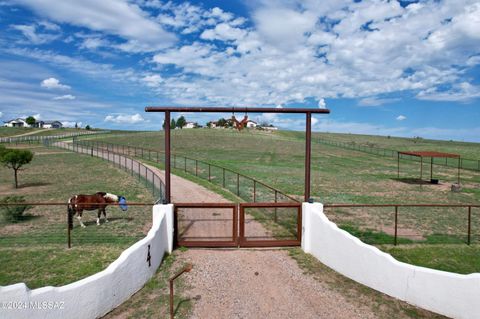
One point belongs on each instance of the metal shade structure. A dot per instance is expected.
(200, 109)
(431, 155)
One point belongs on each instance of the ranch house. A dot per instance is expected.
(190, 125)
(251, 124)
(48, 124)
(16, 123)
(39, 124)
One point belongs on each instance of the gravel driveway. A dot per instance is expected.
(262, 283)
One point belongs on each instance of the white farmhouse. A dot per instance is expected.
(251, 124)
(16, 123)
(50, 124)
(190, 125)
(39, 124)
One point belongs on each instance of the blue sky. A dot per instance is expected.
(401, 68)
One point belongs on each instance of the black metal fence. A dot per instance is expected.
(144, 174)
(244, 187)
(36, 139)
(468, 164)
(408, 223)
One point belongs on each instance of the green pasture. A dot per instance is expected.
(338, 176)
(54, 176)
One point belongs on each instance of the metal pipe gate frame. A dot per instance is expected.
(308, 133)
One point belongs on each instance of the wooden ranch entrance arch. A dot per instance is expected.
(231, 225)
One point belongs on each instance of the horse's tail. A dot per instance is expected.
(70, 214)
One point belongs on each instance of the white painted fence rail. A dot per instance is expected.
(449, 294)
(94, 296)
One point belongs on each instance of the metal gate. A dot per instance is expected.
(238, 225)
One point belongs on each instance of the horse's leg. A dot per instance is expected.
(105, 215)
(79, 217)
(98, 216)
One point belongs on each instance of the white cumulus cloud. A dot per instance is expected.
(124, 119)
(322, 104)
(401, 118)
(64, 97)
(53, 83)
(116, 17)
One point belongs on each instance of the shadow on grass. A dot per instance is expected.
(413, 181)
(19, 220)
(102, 221)
(33, 184)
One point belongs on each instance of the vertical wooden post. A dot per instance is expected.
(421, 167)
(185, 168)
(223, 182)
(396, 225)
(398, 165)
(196, 167)
(308, 149)
(458, 172)
(431, 168)
(469, 224)
(209, 172)
(238, 184)
(167, 157)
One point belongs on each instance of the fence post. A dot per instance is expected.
(209, 172)
(469, 224)
(196, 167)
(254, 191)
(223, 183)
(238, 184)
(185, 164)
(396, 226)
(69, 232)
(275, 210)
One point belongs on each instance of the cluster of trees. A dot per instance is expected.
(179, 123)
(15, 159)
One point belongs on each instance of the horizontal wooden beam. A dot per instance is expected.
(206, 109)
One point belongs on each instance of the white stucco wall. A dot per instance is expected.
(98, 294)
(442, 292)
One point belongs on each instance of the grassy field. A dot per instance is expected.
(53, 176)
(340, 176)
(465, 149)
(11, 131)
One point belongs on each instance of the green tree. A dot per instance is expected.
(181, 122)
(87, 127)
(172, 124)
(15, 159)
(222, 122)
(30, 120)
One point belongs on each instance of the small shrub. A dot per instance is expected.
(13, 214)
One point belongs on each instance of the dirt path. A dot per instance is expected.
(209, 223)
(248, 283)
(260, 284)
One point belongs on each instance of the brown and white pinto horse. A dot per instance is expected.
(78, 203)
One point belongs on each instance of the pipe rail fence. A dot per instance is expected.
(401, 223)
(244, 187)
(464, 163)
(37, 139)
(31, 224)
(144, 174)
